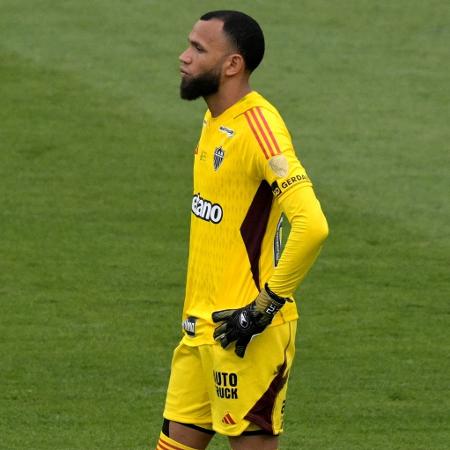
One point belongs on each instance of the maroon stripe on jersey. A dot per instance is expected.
(261, 413)
(254, 227)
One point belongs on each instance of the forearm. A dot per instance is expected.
(309, 229)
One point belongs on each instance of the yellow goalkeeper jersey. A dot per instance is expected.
(244, 161)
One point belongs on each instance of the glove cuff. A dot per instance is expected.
(268, 303)
(276, 297)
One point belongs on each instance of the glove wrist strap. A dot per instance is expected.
(268, 303)
(276, 297)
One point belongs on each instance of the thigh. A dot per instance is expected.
(187, 399)
(249, 393)
(254, 442)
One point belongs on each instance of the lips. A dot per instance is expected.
(183, 72)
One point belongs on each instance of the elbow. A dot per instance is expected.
(318, 230)
(313, 230)
(306, 217)
(323, 229)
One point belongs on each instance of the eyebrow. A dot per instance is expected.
(196, 43)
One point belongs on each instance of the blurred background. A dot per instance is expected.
(95, 190)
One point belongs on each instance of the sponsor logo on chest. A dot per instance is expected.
(228, 131)
(206, 210)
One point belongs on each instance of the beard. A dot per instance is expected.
(203, 85)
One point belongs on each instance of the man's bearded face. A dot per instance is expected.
(202, 85)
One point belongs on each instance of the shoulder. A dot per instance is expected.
(261, 116)
(264, 126)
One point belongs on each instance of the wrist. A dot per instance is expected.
(268, 303)
(275, 296)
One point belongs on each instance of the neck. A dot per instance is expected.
(225, 97)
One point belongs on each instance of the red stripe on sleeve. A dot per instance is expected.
(263, 134)
(247, 116)
(268, 130)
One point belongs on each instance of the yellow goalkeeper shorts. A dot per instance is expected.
(213, 388)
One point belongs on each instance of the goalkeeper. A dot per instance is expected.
(230, 371)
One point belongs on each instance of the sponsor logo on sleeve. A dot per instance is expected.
(276, 191)
(280, 186)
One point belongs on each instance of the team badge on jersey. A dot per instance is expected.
(218, 157)
(279, 165)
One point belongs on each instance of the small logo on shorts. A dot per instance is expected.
(189, 325)
(228, 419)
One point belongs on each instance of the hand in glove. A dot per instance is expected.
(242, 324)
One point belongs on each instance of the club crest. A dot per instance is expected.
(218, 157)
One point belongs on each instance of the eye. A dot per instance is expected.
(195, 45)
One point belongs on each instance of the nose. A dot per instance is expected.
(184, 57)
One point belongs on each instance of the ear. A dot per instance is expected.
(234, 64)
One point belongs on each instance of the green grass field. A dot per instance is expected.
(95, 170)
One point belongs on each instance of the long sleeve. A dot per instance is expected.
(309, 229)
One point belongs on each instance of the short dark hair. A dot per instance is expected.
(244, 33)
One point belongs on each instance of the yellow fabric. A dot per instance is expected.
(213, 388)
(166, 443)
(243, 154)
(309, 229)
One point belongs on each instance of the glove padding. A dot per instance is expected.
(242, 324)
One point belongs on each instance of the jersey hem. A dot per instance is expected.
(207, 338)
(188, 421)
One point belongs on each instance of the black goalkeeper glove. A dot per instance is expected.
(242, 324)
